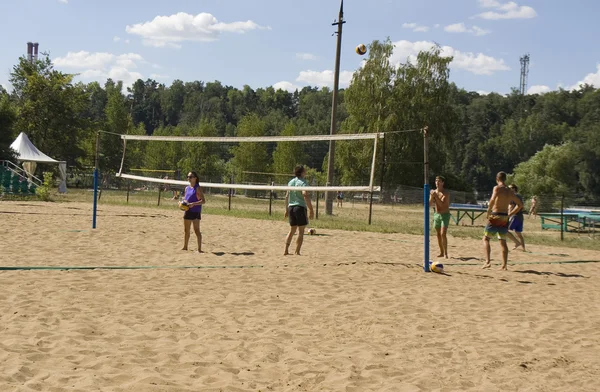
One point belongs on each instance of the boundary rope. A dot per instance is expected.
(58, 268)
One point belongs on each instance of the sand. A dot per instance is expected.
(355, 312)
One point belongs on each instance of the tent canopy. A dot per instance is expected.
(26, 151)
(30, 156)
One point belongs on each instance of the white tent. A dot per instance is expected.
(30, 156)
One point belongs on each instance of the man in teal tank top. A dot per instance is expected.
(296, 203)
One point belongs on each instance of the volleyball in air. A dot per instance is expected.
(361, 49)
(183, 205)
(437, 267)
(312, 231)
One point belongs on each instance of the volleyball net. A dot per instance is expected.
(241, 159)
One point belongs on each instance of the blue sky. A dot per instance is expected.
(289, 43)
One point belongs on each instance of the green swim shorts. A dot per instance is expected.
(441, 220)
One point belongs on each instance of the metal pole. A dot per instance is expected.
(371, 180)
(336, 82)
(230, 193)
(95, 208)
(271, 198)
(159, 192)
(128, 189)
(426, 200)
(317, 212)
(562, 218)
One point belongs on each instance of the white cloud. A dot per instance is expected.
(63, 1)
(100, 66)
(415, 27)
(538, 89)
(159, 76)
(286, 86)
(510, 10)
(483, 92)
(306, 56)
(437, 25)
(172, 30)
(462, 28)
(477, 63)
(116, 39)
(592, 79)
(324, 78)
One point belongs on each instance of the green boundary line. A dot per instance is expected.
(530, 262)
(51, 268)
(25, 268)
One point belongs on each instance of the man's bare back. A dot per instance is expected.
(504, 196)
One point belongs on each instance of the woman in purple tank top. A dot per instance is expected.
(195, 198)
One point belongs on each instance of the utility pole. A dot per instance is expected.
(524, 74)
(336, 81)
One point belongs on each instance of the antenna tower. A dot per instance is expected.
(524, 74)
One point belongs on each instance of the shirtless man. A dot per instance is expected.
(441, 217)
(533, 209)
(498, 217)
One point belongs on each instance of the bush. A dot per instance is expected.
(43, 192)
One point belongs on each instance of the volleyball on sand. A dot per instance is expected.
(361, 49)
(437, 267)
(312, 231)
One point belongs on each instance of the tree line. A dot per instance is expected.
(549, 143)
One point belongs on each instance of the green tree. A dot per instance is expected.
(550, 172)
(7, 119)
(118, 122)
(250, 157)
(203, 158)
(288, 154)
(49, 108)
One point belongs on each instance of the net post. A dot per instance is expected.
(372, 177)
(95, 208)
(426, 200)
(317, 211)
(159, 192)
(230, 193)
(271, 197)
(128, 189)
(562, 218)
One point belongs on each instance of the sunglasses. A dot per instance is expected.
(191, 177)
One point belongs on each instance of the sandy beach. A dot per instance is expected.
(355, 312)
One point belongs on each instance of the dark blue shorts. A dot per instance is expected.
(516, 224)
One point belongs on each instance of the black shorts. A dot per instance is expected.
(191, 215)
(297, 215)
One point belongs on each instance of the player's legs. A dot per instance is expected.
(445, 224)
(487, 250)
(504, 253)
(444, 230)
(186, 233)
(196, 223)
(438, 231)
(521, 239)
(300, 239)
(288, 239)
(513, 239)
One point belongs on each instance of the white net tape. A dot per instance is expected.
(255, 139)
(254, 187)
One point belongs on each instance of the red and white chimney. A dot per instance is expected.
(35, 51)
(29, 51)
